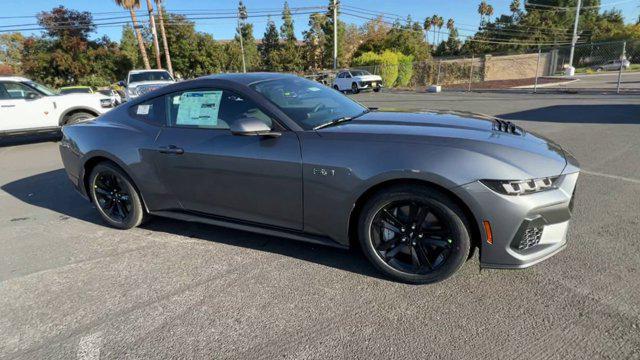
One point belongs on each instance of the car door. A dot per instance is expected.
(22, 108)
(340, 80)
(256, 179)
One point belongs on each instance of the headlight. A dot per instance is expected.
(105, 103)
(521, 187)
(132, 92)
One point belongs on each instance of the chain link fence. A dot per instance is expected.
(603, 67)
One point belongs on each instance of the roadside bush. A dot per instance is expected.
(405, 69)
(389, 68)
(366, 59)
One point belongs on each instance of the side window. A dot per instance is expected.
(14, 90)
(211, 109)
(151, 111)
(347, 75)
(341, 75)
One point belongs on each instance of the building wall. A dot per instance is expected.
(515, 66)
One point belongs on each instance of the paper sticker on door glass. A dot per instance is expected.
(199, 108)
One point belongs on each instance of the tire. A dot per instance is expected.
(599, 69)
(377, 89)
(101, 175)
(444, 239)
(336, 88)
(354, 88)
(79, 117)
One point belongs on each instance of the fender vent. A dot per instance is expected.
(507, 127)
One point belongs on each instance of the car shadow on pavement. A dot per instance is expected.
(53, 191)
(581, 114)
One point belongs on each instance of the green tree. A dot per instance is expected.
(129, 46)
(389, 68)
(327, 28)
(289, 52)
(405, 69)
(11, 51)
(315, 40)
(269, 49)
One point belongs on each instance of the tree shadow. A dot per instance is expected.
(580, 114)
(52, 190)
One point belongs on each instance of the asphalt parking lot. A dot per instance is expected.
(71, 287)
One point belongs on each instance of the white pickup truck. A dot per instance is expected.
(140, 82)
(27, 106)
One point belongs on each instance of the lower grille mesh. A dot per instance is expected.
(531, 237)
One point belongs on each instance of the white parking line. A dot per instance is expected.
(635, 181)
(89, 347)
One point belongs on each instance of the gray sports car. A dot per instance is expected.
(281, 155)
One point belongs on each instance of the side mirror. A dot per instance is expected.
(121, 83)
(32, 96)
(252, 127)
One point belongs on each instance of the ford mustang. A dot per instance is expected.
(285, 156)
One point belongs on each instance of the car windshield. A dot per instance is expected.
(75, 91)
(308, 103)
(150, 76)
(41, 88)
(360, 72)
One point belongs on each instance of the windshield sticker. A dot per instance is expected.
(143, 109)
(199, 108)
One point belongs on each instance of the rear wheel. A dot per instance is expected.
(336, 88)
(115, 197)
(354, 88)
(414, 234)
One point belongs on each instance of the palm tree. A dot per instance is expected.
(131, 5)
(489, 12)
(434, 24)
(427, 26)
(167, 57)
(482, 10)
(154, 32)
(439, 24)
(451, 24)
(515, 8)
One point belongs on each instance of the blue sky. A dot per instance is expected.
(462, 11)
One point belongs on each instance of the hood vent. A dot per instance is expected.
(507, 127)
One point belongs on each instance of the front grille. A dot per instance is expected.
(143, 89)
(531, 237)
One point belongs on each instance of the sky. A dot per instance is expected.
(462, 11)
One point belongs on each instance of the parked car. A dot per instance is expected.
(116, 99)
(613, 65)
(357, 80)
(281, 155)
(75, 90)
(27, 106)
(140, 82)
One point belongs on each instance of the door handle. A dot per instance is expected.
(171, 149)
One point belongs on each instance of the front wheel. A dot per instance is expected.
(115, 197)
(78, 118)
(414, 234)
(354, 88)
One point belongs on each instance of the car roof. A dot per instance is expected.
(249, 78)
(75, 87)
(13, 78)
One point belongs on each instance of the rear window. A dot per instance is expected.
(151, 111)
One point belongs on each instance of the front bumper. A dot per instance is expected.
(366, 85)
(527, 229)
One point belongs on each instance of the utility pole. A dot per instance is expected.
(335, 35)
(242, 15)
(574, 40)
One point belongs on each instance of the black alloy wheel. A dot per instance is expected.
(354, 88)
(411, 237)
(414, 234)
(115, 197)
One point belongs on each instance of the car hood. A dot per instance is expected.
(527, 151)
